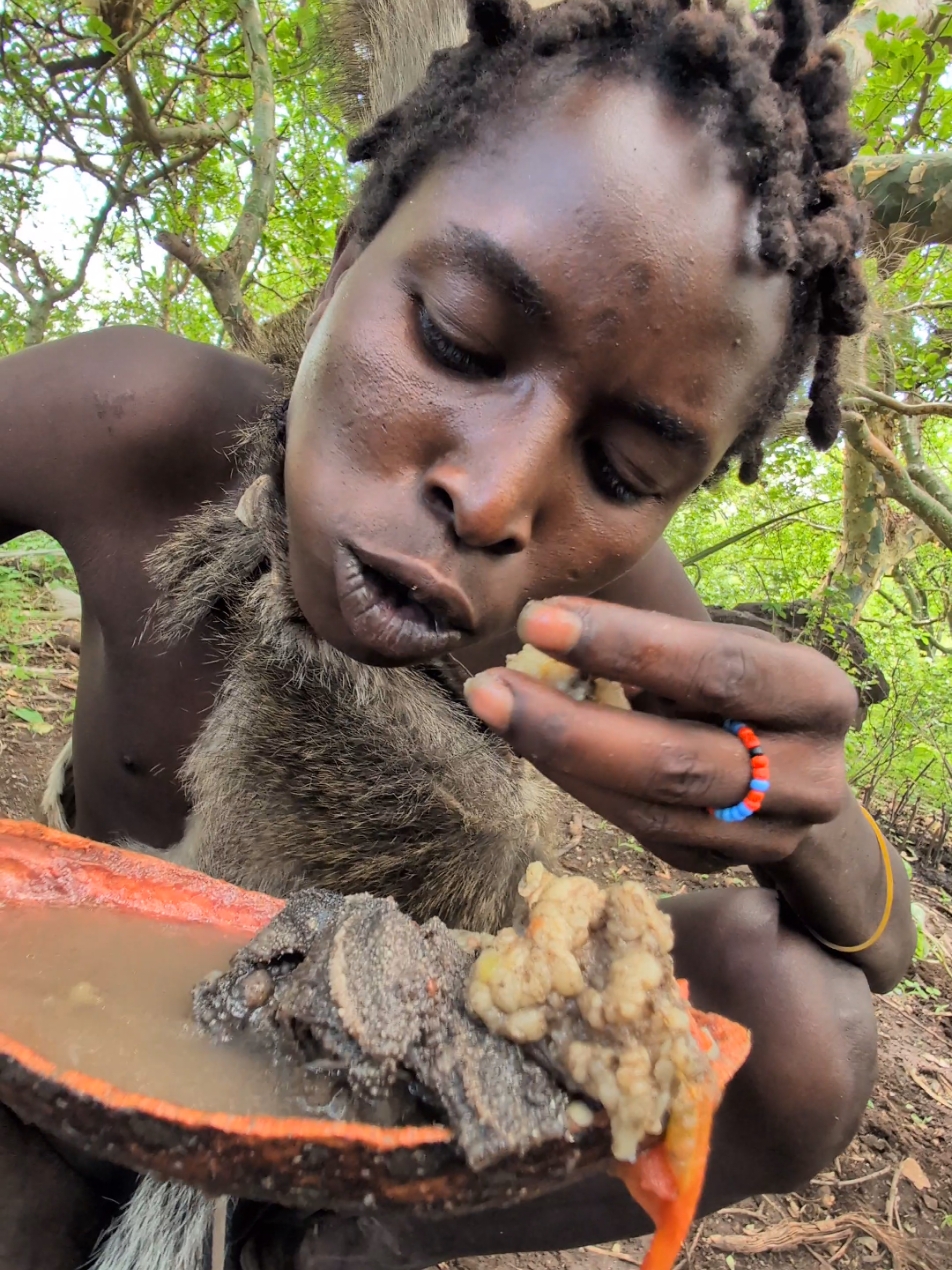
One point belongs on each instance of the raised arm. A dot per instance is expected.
(117, 422)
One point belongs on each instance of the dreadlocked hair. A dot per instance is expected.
(770, 86)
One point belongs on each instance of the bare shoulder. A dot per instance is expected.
(118, 413)
(657, 582)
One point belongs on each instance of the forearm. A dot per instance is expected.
(836, 884)
(50, 1217)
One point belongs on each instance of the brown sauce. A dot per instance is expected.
(109, 994)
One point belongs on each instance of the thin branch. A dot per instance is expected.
(264, 144)
(921, 408)
(899, 484)
(143, 33)
(753, 529)
(221, 275)
(921, 307)
(145, 130)
(92, 62)
(915, 123)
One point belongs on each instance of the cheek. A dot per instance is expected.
(588, 545)
(361, 393)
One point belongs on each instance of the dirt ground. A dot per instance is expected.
(886, 1202)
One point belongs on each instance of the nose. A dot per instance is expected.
(490, 515)
(492, 485)
(492, 496)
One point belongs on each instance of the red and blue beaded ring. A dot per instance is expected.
(753, 800)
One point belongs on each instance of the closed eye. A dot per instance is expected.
(452, 355)
(605, 476)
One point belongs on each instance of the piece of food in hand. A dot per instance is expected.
(564, 678)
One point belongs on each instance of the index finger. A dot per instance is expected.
(707, 667)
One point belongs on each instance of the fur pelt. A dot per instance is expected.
(165, 1226)
(315, 770)
(374, 52)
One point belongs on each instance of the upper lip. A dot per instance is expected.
(426, 584)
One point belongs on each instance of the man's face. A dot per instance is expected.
(551, 342)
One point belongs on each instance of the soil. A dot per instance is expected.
(886, 1202)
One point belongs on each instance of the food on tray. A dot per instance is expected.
(516, 1039)
(348, 1057)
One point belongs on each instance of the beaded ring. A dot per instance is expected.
(753, 800)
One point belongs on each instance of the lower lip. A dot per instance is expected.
(396, 629)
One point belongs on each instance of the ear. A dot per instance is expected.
(346, 251)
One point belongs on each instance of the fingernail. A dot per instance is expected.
(549, 627)
(490, 698)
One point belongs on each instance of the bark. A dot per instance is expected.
(850, 35)
(909, 197)
(897, 480)
(875, 538)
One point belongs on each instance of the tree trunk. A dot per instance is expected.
(850, 35)
(856, 570)
(909, 197)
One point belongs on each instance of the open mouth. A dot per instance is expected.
(396, 617)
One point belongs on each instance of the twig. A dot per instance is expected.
(616, 1256)
(818, 1256)
(694, 1241)
(841, 1252)
(786, 1235)
(856, 1181)
(922, 408)
(892, 1199)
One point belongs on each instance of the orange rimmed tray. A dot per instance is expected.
(299, 1161)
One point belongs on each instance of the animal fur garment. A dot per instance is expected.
(315, 770)
(165, 1226)
(374, 52)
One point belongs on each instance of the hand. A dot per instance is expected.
(596, 1209)
(656, 776)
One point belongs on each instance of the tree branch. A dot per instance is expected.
(850, 35)
(924, 306)
(222, 285)
(93, 62)
(898, 481)
(920, 409)
(911, 193)
(264, 142)
(916, 466)
(221, 275)
(147, 132)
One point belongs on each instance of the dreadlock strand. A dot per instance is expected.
(824, 417)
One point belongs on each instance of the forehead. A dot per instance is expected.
(625, 214)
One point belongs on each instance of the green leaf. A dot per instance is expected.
(33, 717)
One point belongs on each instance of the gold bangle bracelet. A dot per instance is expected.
(890, 892)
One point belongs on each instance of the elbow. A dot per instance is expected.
(889, 963)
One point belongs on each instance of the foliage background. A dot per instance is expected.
(180, 164)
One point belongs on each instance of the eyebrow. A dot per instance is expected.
(489, 261)
(479, 254)
(664, 423)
